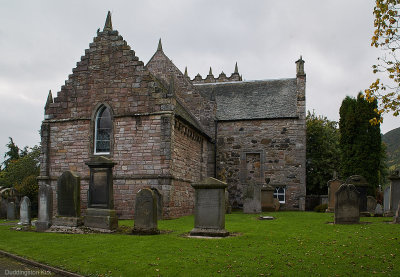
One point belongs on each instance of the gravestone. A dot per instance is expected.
(333, 187)
(145, 218)
(362, 187)
(396, 218)
(394, 191)
(378, 210)
(209, 210)
(3, 207)
(100, 212)
(45, 213)
(347, 205)
(25, 211)
(252, 199)
(228, 207)
(159, 201)
(371, 204)
(386, 201)
(277, 204)
(267, 198)
(68, 200)
(11, 211)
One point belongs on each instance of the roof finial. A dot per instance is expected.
(159, 48)
(108, 24)
(49, 100)
(210, 72)
(186, 73)
(300, 67)
(236, 68)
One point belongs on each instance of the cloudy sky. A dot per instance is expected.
(41, 41)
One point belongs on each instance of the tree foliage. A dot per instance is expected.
(12, 154)
(322, 152)
(386, 37)
(360, 142)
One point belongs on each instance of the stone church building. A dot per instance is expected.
(165, 131)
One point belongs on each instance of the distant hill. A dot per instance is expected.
(392, 141)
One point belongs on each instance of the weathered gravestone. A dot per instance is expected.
(267, 198)
(11, 211)
(228, 207)
(68, 200)
(386, 201)
(394, 191)
(347, 205)
(25, 211)
(252, 198)
(333, 187)
(209, 210)
(159, 201)
(396, 218)
(3, 207)
(371, 204)
(378, 210)
(100, 212)
(277, 204)
(145, 218)
(45, 214)
(362, 186)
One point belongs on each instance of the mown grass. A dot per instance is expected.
(295, 244)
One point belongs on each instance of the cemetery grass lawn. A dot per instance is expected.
(295, 244)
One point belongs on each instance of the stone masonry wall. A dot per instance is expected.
(266, 151)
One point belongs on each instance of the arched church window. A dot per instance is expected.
(103, 129)
(279, 193)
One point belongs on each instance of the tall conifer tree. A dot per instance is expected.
(360, 142)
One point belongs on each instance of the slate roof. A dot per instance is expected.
(253, 99)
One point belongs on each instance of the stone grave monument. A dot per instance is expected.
(252, 198)
(145, 218)
(45, 214)
(25, 211)
(362, 186)
(386, 201)
(347, 205)
(159, 201)
(68, 200)
(378, 210)
(228, 207)
(333, 186)
(11, 211)
(267, 198)
(394, 179)
(396, 218)
(3, 207)
(209, 210)
(100, 212)
(371, 204)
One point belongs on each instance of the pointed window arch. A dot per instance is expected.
(103, 131)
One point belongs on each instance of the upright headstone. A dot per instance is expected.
(252, 199)
(209, 210)
(159, 201)
(145, 218)
(378, 210)
(386, 201)
(394, 191)
(45, 214)
(68, 200)
(362, 187)
(100, 212)
(3, 207)
(347, 205)
(333, 187)
(267, 198)
(396, 218)
(11, 211)
(228, 207)
(25, 211)
(371, 204)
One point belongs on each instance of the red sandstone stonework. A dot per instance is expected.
(168, 131)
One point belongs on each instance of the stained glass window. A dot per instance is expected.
(103, 131)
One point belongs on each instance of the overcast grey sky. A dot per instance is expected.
(41, 41)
